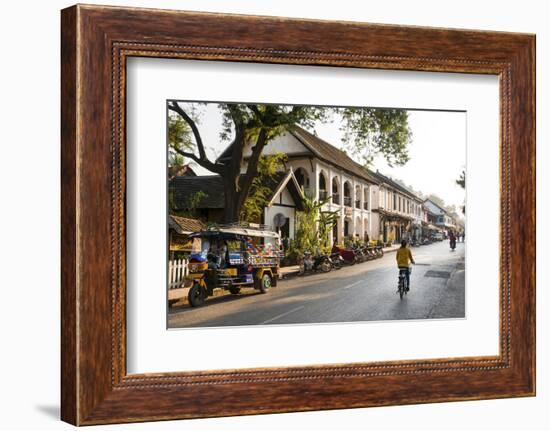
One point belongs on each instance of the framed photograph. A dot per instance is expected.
(267, 215)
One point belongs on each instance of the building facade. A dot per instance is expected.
(398, 212)
(440, 217)
(369, 205)
(326, 173)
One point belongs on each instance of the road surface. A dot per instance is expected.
(363, 292)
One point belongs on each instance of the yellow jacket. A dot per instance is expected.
(403, 257)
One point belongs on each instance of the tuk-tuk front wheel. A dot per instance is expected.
(196, 296)
(265, 283)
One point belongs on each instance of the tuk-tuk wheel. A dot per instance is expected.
(265, 283)
(196, 296)
(234, 290)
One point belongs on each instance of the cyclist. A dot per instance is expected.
(403, 257)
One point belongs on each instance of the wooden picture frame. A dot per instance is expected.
(95, 42)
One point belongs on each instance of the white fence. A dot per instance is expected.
(177, 270)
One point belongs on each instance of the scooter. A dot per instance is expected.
(349, 256)
(452, 244)
(360, 256)
(308, 263)
(337, 260)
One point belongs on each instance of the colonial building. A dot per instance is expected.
(369, 204)
(397, 211)
(326, 173)
(440, 217)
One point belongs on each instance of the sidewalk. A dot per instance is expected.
(288, 271)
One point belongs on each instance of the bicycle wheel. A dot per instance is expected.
(401, 287)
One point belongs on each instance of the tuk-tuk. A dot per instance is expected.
(231, 257)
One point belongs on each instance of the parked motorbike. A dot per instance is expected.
(414, 242)
(348, 255)
(370, 252)
(360, 256)
(309, 263)
(337, 260)
(379, 251)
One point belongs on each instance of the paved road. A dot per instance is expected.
(362, 292)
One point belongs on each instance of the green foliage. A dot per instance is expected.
(191, 205)
(373, 131)
(462, 183)
(179, 138)
(367, 131)
(262, 187)
(327, 220)
(462, 180)
(313, 226)
(274, 119)
(195, 199)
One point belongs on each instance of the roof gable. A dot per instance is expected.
(184, 188)
(289, 182)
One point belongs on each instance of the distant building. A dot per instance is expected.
(440, 217)
(397, 211)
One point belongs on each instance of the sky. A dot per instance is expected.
(437, 151)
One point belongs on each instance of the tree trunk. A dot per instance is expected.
(231, 198)
(237, 185)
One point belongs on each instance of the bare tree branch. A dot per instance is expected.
(205, 163)
(177, 109)
(202, 159)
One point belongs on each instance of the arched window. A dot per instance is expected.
(347, 194)
(302, 177)
(323, 193)
(366, 198)
(358, 196)
(335, 191)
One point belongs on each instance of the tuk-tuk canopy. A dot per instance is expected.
(233, 233)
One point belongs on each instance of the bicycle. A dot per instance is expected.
(402, 286)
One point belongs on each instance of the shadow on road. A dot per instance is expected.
(213, 300)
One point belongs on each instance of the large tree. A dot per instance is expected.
(462, 183)
(371, 131)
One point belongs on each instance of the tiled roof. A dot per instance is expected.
(184, 224)
(212, 185)
(331, 154)
(395, 184)
(443, 210)
(180, 171)
(184, 188)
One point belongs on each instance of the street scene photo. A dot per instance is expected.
(297, 214)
